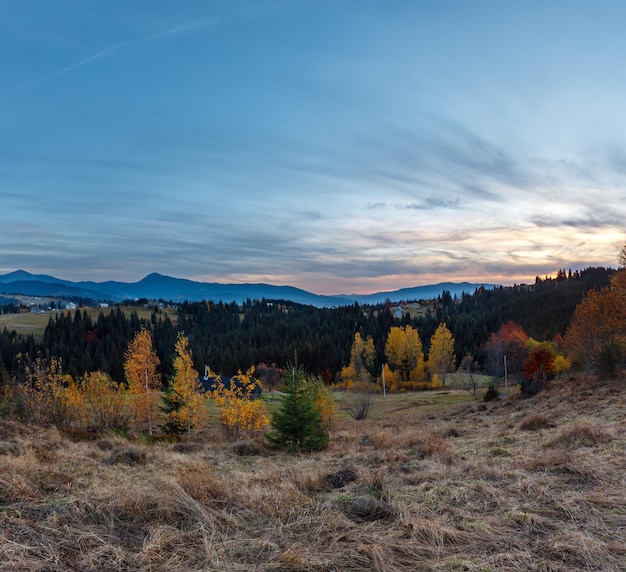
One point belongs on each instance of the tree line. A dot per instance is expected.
(230, 337)
(144, 405)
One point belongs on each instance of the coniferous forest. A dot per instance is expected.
(230, 337)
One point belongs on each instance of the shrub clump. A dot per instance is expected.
(186, 448)
(250, 448)
(342, 477)
(451, 432)
(368, 508)
(371, 503)
(492, 391)
(535, 423)
(580, 434)
(130, 455)
(433, 446)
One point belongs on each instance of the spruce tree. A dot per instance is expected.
(170, 406)
(298, 425)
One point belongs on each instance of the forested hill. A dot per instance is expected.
(229, 337)
(543, 309)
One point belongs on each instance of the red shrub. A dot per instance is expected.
(539, 359)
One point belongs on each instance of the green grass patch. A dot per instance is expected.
(394, 403)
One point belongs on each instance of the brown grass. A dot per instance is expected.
(422, 484)
(535, 423)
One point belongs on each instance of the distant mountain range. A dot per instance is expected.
(159, 287)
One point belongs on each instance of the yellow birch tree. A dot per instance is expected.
(144, 381)
(362, 359)
(405, 355)
(441, 360)
(184, 401)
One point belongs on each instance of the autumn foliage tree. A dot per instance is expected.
(93, 402)
(559, 363)
(362, 362)
(99, 403)
(43, 393)
(405, 356)
(538, 368)
(324, 399)
(510, 341)
(144, 381)
(106, 401)
(184, 402)
(596, 336)
(441, 359)
(241, 414)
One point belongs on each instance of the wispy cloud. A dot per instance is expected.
(183, 28)
(109, 51)
(592, 218)
(431, 203)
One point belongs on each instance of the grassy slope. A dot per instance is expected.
(428, 482)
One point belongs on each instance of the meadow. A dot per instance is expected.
(429, 481)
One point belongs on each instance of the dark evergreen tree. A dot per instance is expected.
(4, 379)
(170, 424)
(297, 424)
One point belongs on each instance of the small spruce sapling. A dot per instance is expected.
(297, 425)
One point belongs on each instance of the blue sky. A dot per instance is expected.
(338, 146)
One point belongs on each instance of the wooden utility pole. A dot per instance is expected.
(384, 387)
(506, 378)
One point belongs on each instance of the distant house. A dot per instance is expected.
(210, 383)
(103, 305)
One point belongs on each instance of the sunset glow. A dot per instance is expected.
(336, 147)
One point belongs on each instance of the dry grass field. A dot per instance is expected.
(427, 482)
(26, 324)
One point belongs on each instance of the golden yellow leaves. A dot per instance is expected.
(596, 337)
(405, 356)
(43, 394)
(93, 402)
(441, 358)
(362, 363)
(144, 381)
(185, 399)
(240, 413)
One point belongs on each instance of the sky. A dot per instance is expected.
(337, 146)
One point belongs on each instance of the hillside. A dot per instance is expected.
(431, 481)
